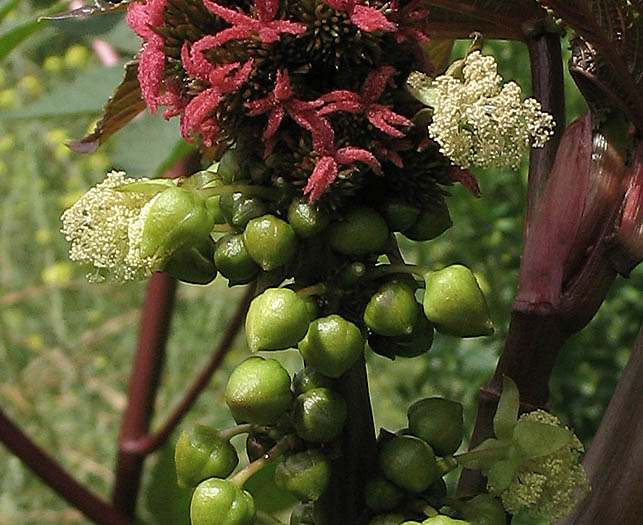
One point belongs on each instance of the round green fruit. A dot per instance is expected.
(392, 310)
(408, 462)
(270, 241)
(308, 378)
(306, 219)
(362, 232)
(258, 391)
(276, 319)
(318, 415)
(202, 454)
(454, 303)
(439, 422)
(233, 260)
(304, 474)
(331, 345)
(380, 495)
(219, 502)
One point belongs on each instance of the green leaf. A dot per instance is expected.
(168, 503)
(502, 473)
(485, 455)
(537, 439)
(6, 7)
(268, 497)
(506, 415)
(12, 37)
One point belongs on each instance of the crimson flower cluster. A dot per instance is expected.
(320, 80)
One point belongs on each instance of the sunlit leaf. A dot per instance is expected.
(506, 415)
(537, 439)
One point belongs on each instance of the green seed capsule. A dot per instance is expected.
(454, 303)
(318, 415)
(439, 422)
(218, 501)
(276, 319)
(400, 216)
(408, 462)
(392, 310)
(484, 509)
(233, 260)
(331, 345)
(306, 219)
(270, 241)
(363, 232)
(380, 495)
(202, 454)
(308, 378)
(304, 474)
(430, 224)
(258, 391)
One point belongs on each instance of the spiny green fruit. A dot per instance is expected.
(318, 415)
(276, 319)
(306, 219)
(400, 215)
(270, 241)
(408, 462)
(304, 474)
(392, 310)
(202, 454)
(363, 231)
(439, 422)
(219, 502)
(233, 260)
(430, 224)
(454, 303)
(331, 345)
(258, 391)
(484, 509)
(380, 495)
(308, 378)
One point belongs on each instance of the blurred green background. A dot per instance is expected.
(66, 346)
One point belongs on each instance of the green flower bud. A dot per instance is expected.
(331, 345)
(408, 462)
(439, 422)
(202, 454)
(454, 303)
(233, 260)
(392, 310)
(258, 391)
(363, 232)
(270, 241)
(304, 474)
(276, 319)
(218, 501)
(430, 224)
(308, 378)
(444, 520)
(381, 495)
(484, 509)
(387, 519)
(400, 215)
(303, 515)
(306, 219)
(318, 415)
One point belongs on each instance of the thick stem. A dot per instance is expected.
(343, 501)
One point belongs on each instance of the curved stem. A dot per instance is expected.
(229, 433)
(314, 289)
(283, 445)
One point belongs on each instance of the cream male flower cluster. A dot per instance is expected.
(478, 121)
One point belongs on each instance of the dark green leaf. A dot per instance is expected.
(506, 415)
(121, 108)
(485, 455)
(537, 439)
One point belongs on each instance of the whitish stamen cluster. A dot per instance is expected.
(478, 121)
(547, 486)
(103, 227)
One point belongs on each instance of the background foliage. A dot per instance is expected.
(66, 346)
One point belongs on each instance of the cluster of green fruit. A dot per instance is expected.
(294, 422)
(409, 483)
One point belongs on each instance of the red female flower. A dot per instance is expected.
(365, 17)
(382, 117)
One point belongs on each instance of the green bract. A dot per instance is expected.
(276, 319)
(439, 422)
(306, 219)
(233, 260)
(219, 502)
(363, 231)
(270, 241)
(454, 303)
(408, 462)
(331, 345)
(304, 474)
(258, 391)
(392, 310)
(202, 454)
(318, 415)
